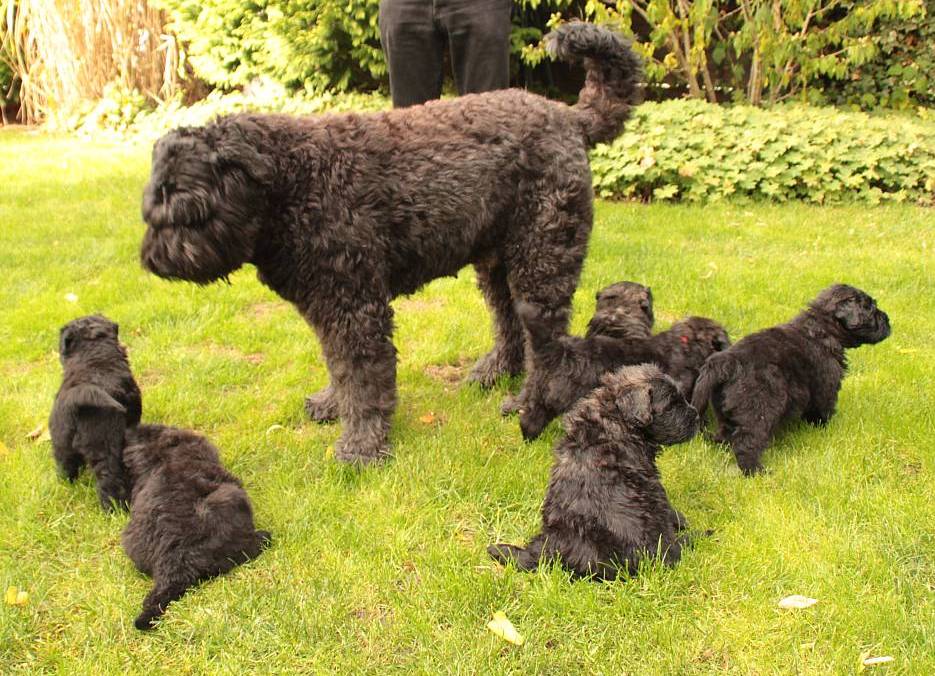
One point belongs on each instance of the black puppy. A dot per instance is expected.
(97, 401)
(787, 371)
(190, 519)
(568, 367)
(624, 310)
(605, 507)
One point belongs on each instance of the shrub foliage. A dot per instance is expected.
(691, 150)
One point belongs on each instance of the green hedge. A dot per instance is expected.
(691, 150)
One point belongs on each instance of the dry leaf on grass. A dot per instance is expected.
(427, 419)
(36, 433)
(797, 601)
(874, 661)
(274, 428)
(16, 597)
(503, 628)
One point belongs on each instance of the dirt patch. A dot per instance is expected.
(449, 373)
(266, 309)
(420, 304)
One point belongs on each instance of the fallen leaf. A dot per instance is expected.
(71, 298)
(797, 601)
(427, 419)
(503, 628)
(36, 433)
(16, 597)
(274, 428)
(873, 661)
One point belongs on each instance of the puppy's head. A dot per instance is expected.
(856, 314)
(205, 201)
(630, 297)
(698, 338)
(85, 333)
(650, 401)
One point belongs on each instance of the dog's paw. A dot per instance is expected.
(494, 365)
(511, 405)
(322, 406)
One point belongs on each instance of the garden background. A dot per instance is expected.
(784, 145)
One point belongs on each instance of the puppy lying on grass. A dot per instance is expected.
(791, 370)
(568, 367)
(97, 401)
(605, 507)
(190, 519)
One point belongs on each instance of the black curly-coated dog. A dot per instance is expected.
(567, 367)
(624, 310)
(605, 507)
(787, 371)
(341, 213)
(190, 519)
(97, 401)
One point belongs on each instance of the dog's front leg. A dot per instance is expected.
(362, 359)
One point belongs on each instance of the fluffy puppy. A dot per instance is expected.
(787, 371)
(624, 310)
(97, 401)
(568, 367)
(683, 349)
(605, 507)
(190, 519)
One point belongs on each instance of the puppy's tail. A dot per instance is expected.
(158, 599)
(718, 368)
(542, 331)
(613, 75)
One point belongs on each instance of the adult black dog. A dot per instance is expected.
(786, 371)
(97, 401)
(341, 213)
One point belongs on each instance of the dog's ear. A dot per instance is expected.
(637, 405)
(67, 339)
(233, 147)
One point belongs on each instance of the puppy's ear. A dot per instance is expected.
(637, 405)
(232, 147)
(848, 313)
(67, 339)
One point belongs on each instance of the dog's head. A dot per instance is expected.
(85, 333)
(629, 296)
(855, 313)
(697, 338)
(650, 401)
(205, 200)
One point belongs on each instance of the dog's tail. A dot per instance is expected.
(613, 75)
(164, 592)
(718, 368)
(524, 558)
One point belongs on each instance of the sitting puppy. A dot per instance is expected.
(568, 367)
(97, 401)
(605, 507)
(790, 370)
(624, 311)
(190, 519)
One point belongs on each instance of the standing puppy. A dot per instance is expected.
(605, 507)
(97, 401)
(190, 519)
(787, 371)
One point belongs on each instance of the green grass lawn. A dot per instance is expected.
(387, 569)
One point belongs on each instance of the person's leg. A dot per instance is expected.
(413, 47)
(479, 39)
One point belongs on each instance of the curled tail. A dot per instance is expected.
(717, 369)
(614, 71)
(544, 328)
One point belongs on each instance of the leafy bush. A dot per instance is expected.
(691, 150)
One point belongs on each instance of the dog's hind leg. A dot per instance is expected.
(506, 357)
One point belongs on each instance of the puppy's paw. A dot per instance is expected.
(512, 404)
(496, 364)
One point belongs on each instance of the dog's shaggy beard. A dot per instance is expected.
(203, 217)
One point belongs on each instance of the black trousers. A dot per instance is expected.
(414, 34)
